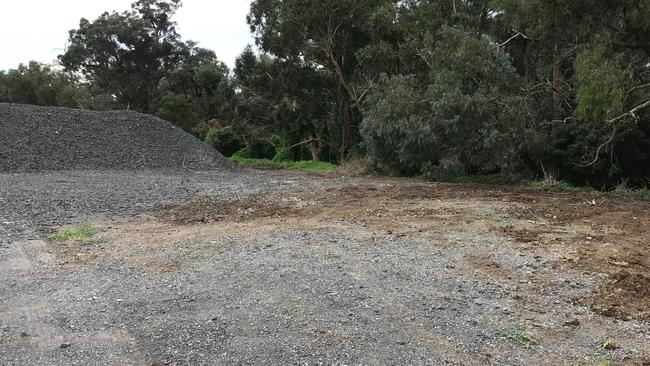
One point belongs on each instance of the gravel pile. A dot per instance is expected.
(37, 138)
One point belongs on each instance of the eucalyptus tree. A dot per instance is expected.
(325, 35)
(127, 54)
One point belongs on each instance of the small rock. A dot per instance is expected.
(572, 323)
(608, 345)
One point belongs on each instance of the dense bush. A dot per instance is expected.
(569, 153)
(225, 140)
(261, 148)
(466, 118)
(556, 89)
(202, 128)
(177, 110)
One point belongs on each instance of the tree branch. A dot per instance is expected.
(519, 34)
(597, 157)
(632, 113)
(310, 141)
(639, 87)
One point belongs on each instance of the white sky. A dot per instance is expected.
(38, 29)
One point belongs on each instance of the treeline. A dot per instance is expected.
(439, 88)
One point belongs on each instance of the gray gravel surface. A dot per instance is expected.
(336, 292)
(32, 203)
(34, 138)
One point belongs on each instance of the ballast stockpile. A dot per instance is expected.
(36, 139)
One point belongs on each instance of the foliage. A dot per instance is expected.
(601, 81)
(308, 166)
(553, 185)
(225, 140)
(441, 89)
(243, 153)
(83, 234)
(282, 148)
(129, 53)
(465, 118)
(201, 129)
(642, 194)
(177, 110)
(262, 149)
(38, 84)
(521, 337)
(325, 36)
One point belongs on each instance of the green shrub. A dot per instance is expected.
(642, 194)
(282, 148)
(307, 165)
(177, 110)
(202, 128)
(283, 154)
(262, 149)
(465, 119)
(225, 140)
(244, 153)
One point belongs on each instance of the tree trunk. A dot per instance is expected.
(347, 98)
(558, 97)
(348, 122)
(526, 62)
(313, 147)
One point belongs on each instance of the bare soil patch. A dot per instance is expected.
(607, 236)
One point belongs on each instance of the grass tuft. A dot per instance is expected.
(553, 185)
(522, 338)
(606, 362)
(490, 179)
(83, 234)
(637, 194)
(307, 166)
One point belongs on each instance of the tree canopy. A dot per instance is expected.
(523, 88)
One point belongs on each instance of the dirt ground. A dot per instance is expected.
(373, 271)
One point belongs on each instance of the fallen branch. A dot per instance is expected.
(311, 141)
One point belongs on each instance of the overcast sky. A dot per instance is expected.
(38, 29)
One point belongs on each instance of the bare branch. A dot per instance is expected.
(600, 148)
(632, 113)
(423, 57)
(310, 141)
(639, 87)
(566, 120)
(519, 34)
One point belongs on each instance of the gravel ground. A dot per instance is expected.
(323, 271)
(31, 203)
(36, 139)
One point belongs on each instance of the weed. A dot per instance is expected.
(308, 166)
(520, 336)
(313, 166)
(372, 306)
(553, 185)
(490, 179)
(81, 233)
(492, 322)
(291, 304)
(606, 362)
(637, 194)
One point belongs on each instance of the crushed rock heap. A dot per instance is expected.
(34, 138)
